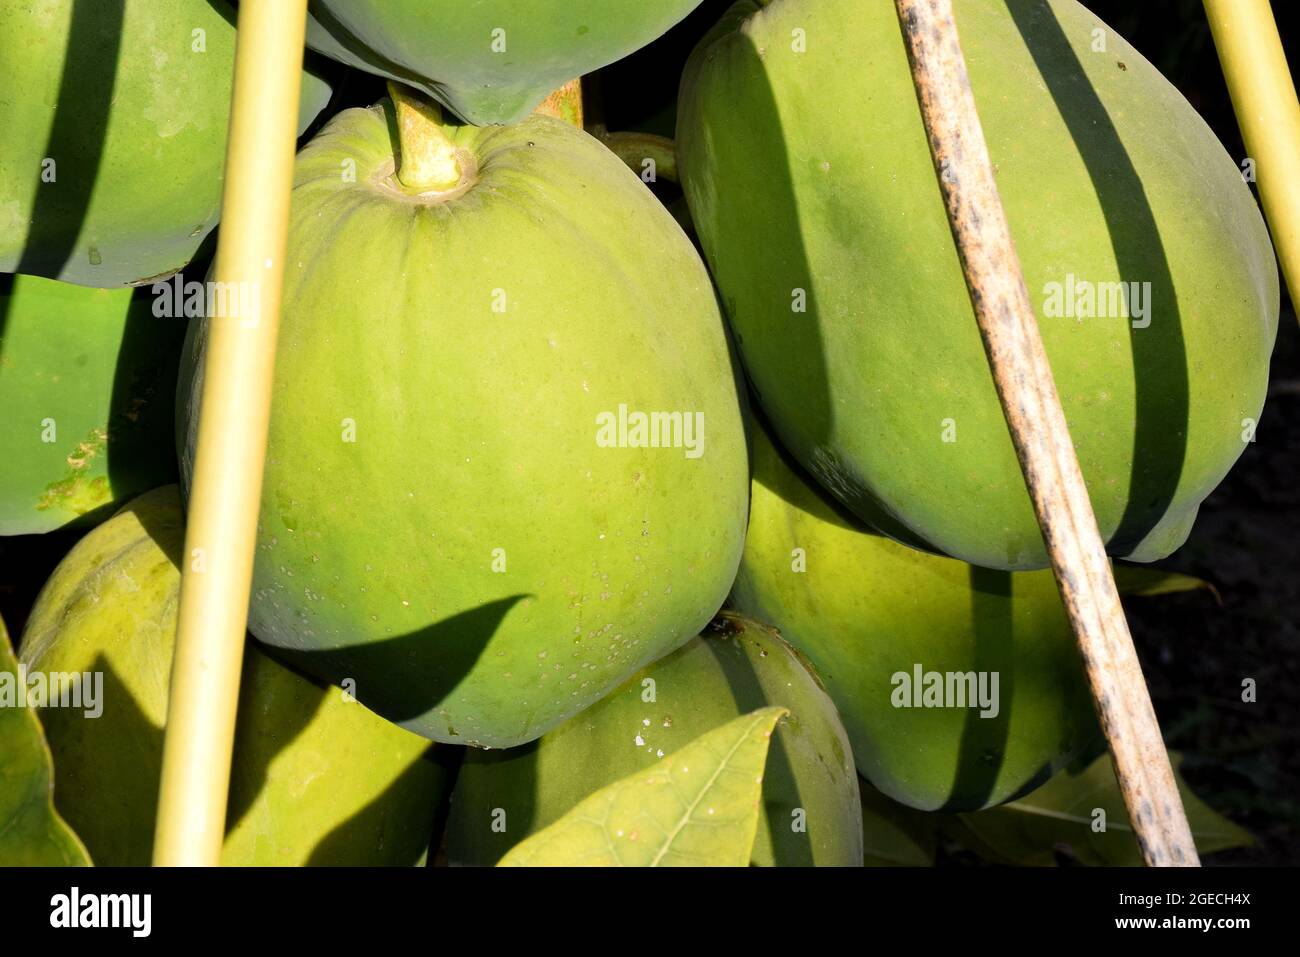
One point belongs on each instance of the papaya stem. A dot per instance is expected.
(426, 156)
(635, 148)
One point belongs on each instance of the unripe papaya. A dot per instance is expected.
(811, 812)
(491, 61)
(878, 619)
(114, 134)
(809, 178)
(506, 467)
(87, 384)
(316, 778)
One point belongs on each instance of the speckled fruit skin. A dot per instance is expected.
(866, 607)
(734, 667)
(316, 779)
(130, 99)
(451, 49)
(87, 379)
(810, 171)
(438, 522)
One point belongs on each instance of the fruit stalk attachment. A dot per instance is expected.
(217, 567)
(1264, 98)
(635, 149)
(1040, 433)
(427, 160)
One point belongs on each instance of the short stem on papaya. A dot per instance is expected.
(426, 157)
(635, 148)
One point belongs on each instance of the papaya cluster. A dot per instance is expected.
(551, 490)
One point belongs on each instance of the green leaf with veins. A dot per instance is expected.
(1062, 814)
(1148, 582)
(697, 807)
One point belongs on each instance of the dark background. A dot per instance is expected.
(1196, 648)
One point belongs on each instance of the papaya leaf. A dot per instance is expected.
(1064, 814)
(1148, 582)
(31, 832)
(696, 807)
(895, 835)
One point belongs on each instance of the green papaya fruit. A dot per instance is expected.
(114, 135)
(463, 511)
(316, 778)
(490, 61)
(811, 812)
(877, 619)
(87, 384)
(810, 182)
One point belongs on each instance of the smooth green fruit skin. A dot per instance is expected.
(316, 779)
(862, 608)
(811, 171)
(438, 522)
(130, 101)
(87, 379)
(453, 49)
(730, 670)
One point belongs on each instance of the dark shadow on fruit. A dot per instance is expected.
(225, 10)
(88, 520)
(1094, 748)
(111, 804)
(346, 39)
(1159, 353)
(165, 529)
(114, 803)
(807, 494)
(502, 779)
(786, 347)
(419, 669)
(385, 815)
(26, 563)
(984, 740)
(780, 787)
(140, 448)
(281, 718)
(6, 301)
(77, 136)
(447, 761)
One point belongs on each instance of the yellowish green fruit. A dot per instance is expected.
(869, 612)
(506, 466)
(316, 778)
(810, 810)
(113, 138)
(810, 181)
(491, 61)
